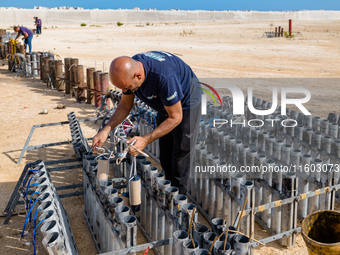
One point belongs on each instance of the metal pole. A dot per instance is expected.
(246, 188)
(163, 184)
(235, 188)
(276, 212)
(205, 182)
(313, 202)
(289, 190)
(267, 196)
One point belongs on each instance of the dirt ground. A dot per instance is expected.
(213, 50)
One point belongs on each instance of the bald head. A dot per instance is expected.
(126, 73)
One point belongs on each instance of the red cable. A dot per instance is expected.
(146, 251)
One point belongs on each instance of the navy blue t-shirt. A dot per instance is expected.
(168, 80)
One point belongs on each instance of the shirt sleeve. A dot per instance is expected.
(170, 90)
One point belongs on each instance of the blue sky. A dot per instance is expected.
(259, 5)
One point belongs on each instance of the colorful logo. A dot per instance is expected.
(204, 99)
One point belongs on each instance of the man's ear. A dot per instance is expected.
(138, 75)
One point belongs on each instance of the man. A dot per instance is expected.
(28, 35)
(38, 25)
(169, 86)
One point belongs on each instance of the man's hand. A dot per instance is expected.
(100, 138)
(140, 144)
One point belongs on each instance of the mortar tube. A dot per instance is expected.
(58, 71)
(148, 207)
(198, 233)
(163, 184)
(199, 180)
(179, 201)
(188, 208)
(79, 79)
(218, 191)
(326, 179)
(28, 66)
(113, 203)
(212, 187)
(139, 160)
(277, 149)
(313, 202)
(290, 128)
(246, 190)
(194, 176)
(324, 126)
(276, 211)
(295, 155)
(308, 121)
(96, 86)
(255, 136)
(241, 244)
(34, 65)
(84, 156)
(205, 182)
(208, 239)
(170, 193)
(270, 144)
(53, 243)
(307, 135)
(259, 162)
(129, 231)
(251, 157)
(285, 153)
(334, 130)
(236, 150)
(230, 142)
(217, 225)
(89, 85)
(220, 250)
(209, 140)
(235, 188)
(246, 138)
(287, 221)
(262, 141)
(219, 149)
(326, 143)
(189, 247)
(243, 155)
(120, 212)
(298, 131)
(179, 237)
(226, 207)
(223, 150)
(230, 237)
(109, 193)
(72, 72)
(304, 185)
(49, 227)
(144, 166)
(316, 123)
(155, 178)
(316, 140)
(215, 143)
(336, 148)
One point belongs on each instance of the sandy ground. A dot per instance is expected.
(212, 49)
